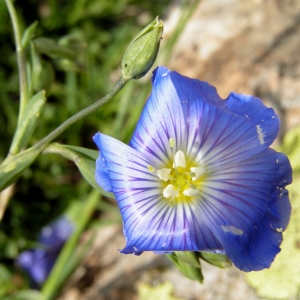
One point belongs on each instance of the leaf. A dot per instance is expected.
(85, 160)
(14, 165)
(218, 260)
(28, 34)
(193, 273)
(189, 258)
(28, 122)
(93, 154)
(24, 295)
(51, 48)
(42, 72)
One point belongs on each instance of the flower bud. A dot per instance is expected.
(142, 51)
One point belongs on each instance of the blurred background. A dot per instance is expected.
(249, 46)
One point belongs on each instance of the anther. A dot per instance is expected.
(164, 174)
(170, 191)
(179, 159)
(171, 142)
(151, 169)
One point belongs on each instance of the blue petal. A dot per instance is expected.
(101, 174)
(246, 207)
(202, 124)
(217, 136)
(37, 263)
(254, 109)
(161, 120)
(150, 223)
(55, 234)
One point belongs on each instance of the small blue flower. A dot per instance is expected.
(198, 174)
(39, 262)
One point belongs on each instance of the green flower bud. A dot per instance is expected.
(142, 51)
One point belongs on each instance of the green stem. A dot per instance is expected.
(55, 133)
(58, 274)
(21, 58)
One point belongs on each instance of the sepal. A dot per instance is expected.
(218, 260)
(188, 264)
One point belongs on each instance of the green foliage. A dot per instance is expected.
(188, 264)
(73, 50)
(28, 35)
(14, 165)
(28, 122)
(218, 260)
(70, 53)
(84, 159)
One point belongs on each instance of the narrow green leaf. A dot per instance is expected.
(85, 160)
(62, 267)
(14, 165)
(92, 154)
(28, 122)
(28, 34)
(24, 295)
(218, 260)
(51, 48)
(193, 273)
(41, 72)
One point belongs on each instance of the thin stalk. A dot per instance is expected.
(21, 58)
(55, 133)
(55, 280)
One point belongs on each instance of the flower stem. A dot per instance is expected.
(21, 58)
(59, 273)
(55, 133)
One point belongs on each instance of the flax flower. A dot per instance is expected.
(198, 174)
(39, 262)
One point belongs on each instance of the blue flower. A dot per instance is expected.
(39, 262)
(198, 174)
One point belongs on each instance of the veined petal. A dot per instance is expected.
(247, 208)
(217, 135)
(200, 122)
(125, 166)
(162, 227)
(198, 174)
(160, 121)
(264, 118)
(101, 174)
(166, 114)
(150, 222)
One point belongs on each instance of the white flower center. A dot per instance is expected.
(182, 181)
